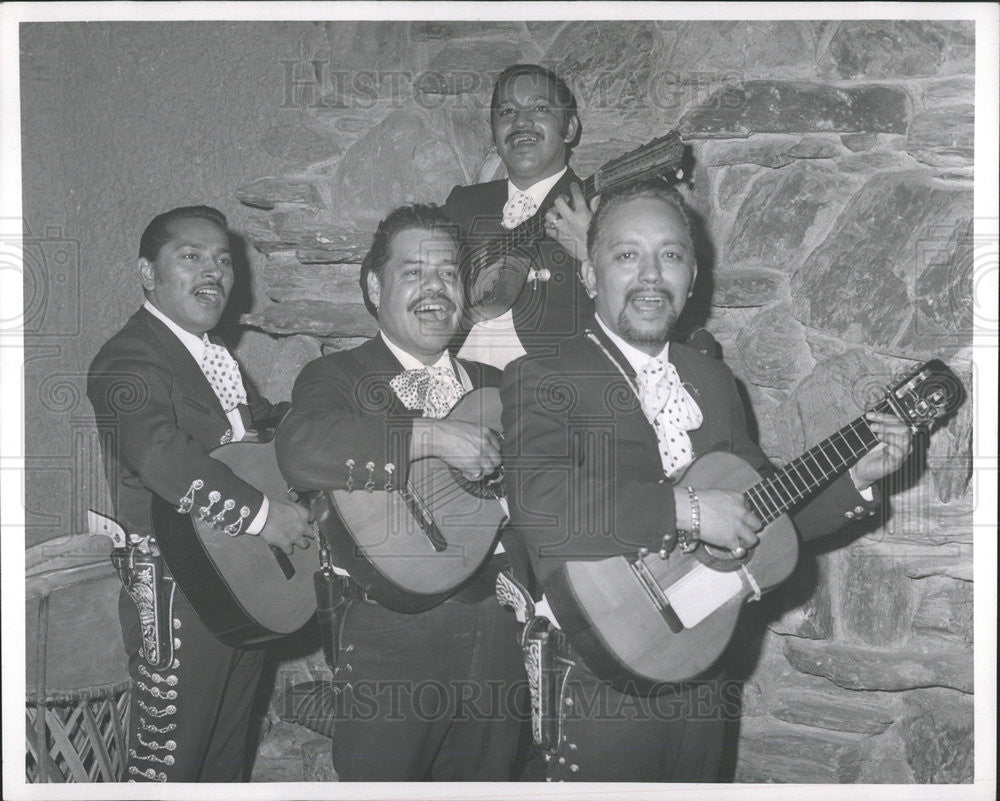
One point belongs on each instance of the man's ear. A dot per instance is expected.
(572, 125)
(589, 278)
(694, 280)
(147, 274)
(374, 288)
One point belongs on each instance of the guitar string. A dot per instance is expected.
(771, 488)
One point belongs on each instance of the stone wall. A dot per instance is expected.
(833, 169)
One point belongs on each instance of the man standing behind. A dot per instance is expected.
(417, 694)
(595, 432)
(165, 395)
(534, 122)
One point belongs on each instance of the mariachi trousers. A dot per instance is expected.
(189, 722)
(440, 695)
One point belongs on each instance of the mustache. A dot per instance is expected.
(664, 292)
(437, 297)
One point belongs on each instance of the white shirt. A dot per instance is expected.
(196, 347)
(495, 341)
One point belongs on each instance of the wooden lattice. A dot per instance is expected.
(84, 741)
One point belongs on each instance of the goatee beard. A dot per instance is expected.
(649, 336)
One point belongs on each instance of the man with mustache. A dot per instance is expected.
(534, 122)
(432, 695)
(164, 396)
(594, 433)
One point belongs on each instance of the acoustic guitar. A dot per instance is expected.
(494, 272)
(643, 621)
(243, 589)
(412, 546)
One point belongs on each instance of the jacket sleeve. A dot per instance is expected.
(340, 432)
(133, 396)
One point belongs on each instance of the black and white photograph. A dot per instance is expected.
(451, 400)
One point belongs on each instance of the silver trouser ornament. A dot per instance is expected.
(153, 594)
(546, 661)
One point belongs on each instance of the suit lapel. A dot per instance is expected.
(186, 370)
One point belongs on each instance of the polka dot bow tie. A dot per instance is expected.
(434, 390)
(223, 373)
(518, 209)
(671, 411)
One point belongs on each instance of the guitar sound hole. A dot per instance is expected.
(722, 559)
(489, 487)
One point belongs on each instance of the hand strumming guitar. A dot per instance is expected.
(469, 447)
(287, 525)
(725, 520)
(727, 523)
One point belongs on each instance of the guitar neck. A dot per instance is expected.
(800, 478)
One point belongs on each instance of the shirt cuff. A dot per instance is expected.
(868, 493)
(260, 519)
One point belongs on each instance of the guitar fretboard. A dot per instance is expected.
(786, 487)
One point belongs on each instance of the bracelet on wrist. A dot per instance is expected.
(689, 539)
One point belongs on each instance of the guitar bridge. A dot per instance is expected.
(655, 593)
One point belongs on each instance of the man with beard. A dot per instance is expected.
(432, 695)
(534, 122)
(165, 395)
(594, 433)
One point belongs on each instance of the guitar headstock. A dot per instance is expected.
(925, 394)
(661, 156)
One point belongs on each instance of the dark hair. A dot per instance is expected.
(564, 97)
(158, 233)
(421, 216)
(653, 188)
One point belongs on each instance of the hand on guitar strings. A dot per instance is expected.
(568, 219)
(287, 525)
(471, 448)
(888, 456)
(725, 520)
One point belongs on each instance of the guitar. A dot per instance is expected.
(413, 546)
(494, 273)
(243, 589)
(643, 621)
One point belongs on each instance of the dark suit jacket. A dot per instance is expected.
(583, 473)
(545, 311)
(343, 408)
(158, 418)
